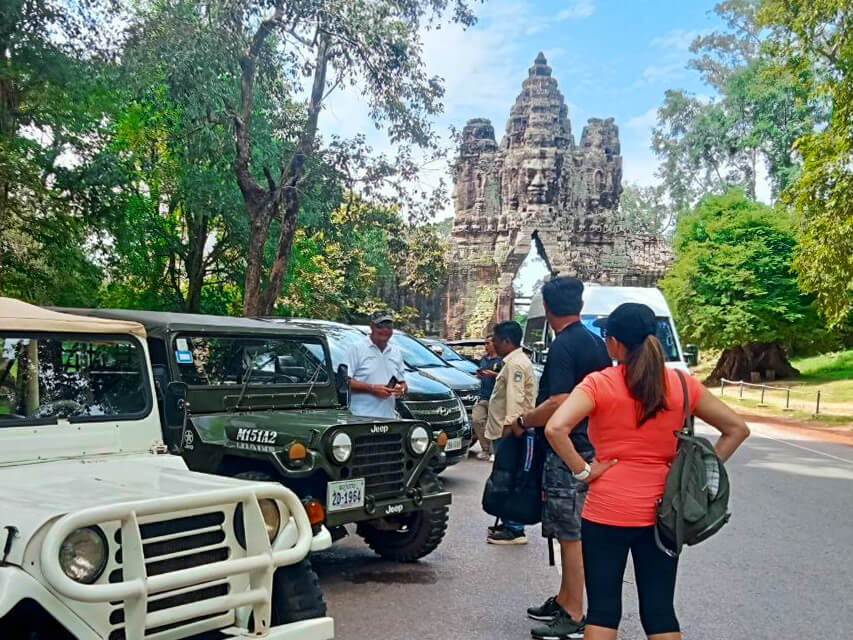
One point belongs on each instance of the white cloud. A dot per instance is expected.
(660, 73)
(577, 10)
(677, 40)
(643, 122)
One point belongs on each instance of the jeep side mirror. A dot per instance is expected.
(342, 384)
(691, 354)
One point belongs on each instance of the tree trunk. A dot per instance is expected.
(258, 231)
(738, 363)
(261, 205)
(194, 264)
(291, 177)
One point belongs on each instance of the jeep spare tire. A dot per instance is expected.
(410, 536)
(296, 592)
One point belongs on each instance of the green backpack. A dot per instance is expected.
(695, 498)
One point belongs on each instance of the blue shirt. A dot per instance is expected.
(487, 384)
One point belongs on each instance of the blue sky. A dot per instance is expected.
(610, 58)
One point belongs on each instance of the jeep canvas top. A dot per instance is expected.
(262, 403)
(103, 535)
(427, 399)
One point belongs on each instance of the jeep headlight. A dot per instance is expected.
(272, 517)
(83, 554)
(341, 447)
(419, 440)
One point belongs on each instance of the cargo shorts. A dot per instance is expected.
(564, 497)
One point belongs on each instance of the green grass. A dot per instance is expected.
(835, 366)
(831, 373)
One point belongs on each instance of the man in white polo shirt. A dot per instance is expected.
(376, 370)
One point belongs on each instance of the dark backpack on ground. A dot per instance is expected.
(514, 488)
(695, 499)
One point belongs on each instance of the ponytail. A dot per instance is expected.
(645, 377)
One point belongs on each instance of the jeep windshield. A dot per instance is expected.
(216, 361)
(45, 378)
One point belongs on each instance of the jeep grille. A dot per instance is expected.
(174, 544)
(380, 460)
(440, 414)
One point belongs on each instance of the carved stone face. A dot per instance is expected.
(538, 178)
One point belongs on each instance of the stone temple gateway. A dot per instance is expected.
(538, 186)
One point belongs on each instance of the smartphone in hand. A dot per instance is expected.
(393, 382)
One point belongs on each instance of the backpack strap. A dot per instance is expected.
(687, 427)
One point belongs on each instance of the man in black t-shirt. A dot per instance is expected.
(573, 354)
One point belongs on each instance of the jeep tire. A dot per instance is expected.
(296, 592)
(423, 532)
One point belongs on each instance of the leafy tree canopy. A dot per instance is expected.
(732, 282)
(816, 47)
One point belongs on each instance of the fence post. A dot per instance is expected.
(741, 389)
(788, 400)
(763, 388)
(817, 406)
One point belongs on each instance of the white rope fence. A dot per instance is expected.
(764, 388)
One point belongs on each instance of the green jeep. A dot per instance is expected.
(259, 401)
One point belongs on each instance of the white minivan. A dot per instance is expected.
(598, 302)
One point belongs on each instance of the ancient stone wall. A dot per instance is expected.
(537, 180)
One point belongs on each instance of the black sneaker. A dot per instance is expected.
(505, 536)
(495, 528)
(545, 612)
(562, 627)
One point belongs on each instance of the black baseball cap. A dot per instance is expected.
(630, 323)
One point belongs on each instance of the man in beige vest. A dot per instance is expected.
(513, 395)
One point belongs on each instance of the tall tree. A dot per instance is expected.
(816, 46)
(373, 46)
(732, 286)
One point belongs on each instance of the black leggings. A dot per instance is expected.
(605, 553)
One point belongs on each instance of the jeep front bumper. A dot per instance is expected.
(241, 574)
(389, 507)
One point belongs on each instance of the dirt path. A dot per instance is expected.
(839, 434)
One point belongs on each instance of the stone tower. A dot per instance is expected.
(538, 186)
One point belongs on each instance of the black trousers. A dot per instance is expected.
(605, 554)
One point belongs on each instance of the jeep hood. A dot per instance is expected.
(34, 494)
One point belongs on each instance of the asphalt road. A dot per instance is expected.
(783, 567)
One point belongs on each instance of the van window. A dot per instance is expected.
(665, 334)
(534, 331)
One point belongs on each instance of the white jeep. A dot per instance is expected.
(103, 535)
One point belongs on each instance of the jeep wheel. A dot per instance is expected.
(411, 536)
(296, 592)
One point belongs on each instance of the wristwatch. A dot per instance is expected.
(583, 475)
(520, 421)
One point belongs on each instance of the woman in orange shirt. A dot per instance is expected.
(634, 410)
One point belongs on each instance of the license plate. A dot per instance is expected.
(345, 494)
(453, 444)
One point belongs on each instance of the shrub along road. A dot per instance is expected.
(782, 568)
